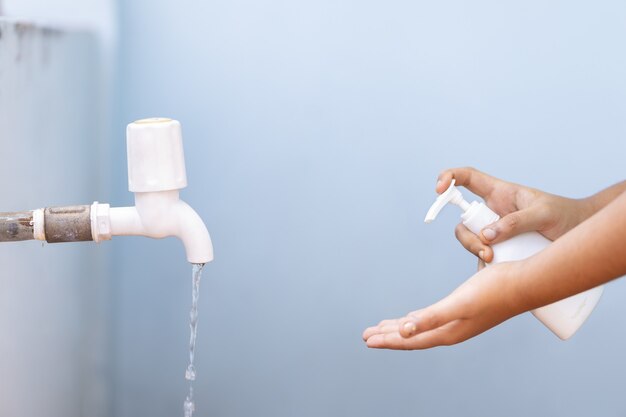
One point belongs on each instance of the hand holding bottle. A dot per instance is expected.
(522, 209)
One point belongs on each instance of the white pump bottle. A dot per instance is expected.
(563, 317)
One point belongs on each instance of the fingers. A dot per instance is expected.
(385, 326)
(437, 325)
(448, 334)
(530, 219)
(472, 243)
(476, 181)
(429, 318)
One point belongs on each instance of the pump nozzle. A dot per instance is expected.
(451, 195)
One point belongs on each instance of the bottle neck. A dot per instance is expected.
(477, 216)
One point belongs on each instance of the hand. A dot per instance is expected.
(485, 300)
(522, 209)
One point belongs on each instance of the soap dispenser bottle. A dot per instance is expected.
(563, 317)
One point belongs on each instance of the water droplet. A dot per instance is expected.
(190, 373)
(189, 407)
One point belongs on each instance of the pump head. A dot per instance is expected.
(451, 195)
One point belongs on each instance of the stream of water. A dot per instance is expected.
(190, 373)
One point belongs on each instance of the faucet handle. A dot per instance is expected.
(156, 161)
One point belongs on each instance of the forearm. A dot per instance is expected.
(590, 254)
(601, 199)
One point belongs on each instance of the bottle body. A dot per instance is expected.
(563, 317)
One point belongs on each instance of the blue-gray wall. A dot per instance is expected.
(54, 327)
(314, 131)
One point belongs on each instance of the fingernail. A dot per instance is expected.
(489, 234)
(438, 184)
(481, 254)
(410, 327)
(373, 342)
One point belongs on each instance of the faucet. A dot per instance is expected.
(156, 173)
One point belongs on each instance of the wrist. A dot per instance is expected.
(516, 289)
(588, 207)
(525, 291)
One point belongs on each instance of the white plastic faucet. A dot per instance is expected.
(156, 173)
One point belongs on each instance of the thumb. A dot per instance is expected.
(429, 318)
(513, 224)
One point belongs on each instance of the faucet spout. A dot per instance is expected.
(194, 235)
(160, 214)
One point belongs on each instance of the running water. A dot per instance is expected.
(190, 373)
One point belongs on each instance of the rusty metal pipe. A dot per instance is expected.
(67, 224)
(52, 224)
(16, 226)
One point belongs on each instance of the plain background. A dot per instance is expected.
(314, 132)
